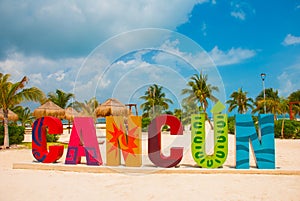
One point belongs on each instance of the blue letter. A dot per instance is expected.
(264, 148)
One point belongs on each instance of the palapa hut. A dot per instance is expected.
(11, 115)
(70, 113)
(111, 107)
(49, 109)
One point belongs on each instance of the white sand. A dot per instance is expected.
(17, 184)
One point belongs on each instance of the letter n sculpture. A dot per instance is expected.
(262, 143)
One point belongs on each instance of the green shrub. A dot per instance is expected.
(145, 123)
(165, 128)
(231, 125)
(16, 134)
(52, 138)
(291, 129)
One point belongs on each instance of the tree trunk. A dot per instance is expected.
(282, 128)
(6, 135)
(69, 126)
(211, 125)
(206, 117)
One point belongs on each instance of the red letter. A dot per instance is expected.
(39, 139)
(154, 141)
(83, 142)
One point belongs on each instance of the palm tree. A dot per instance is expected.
(24, 114)
(272, 102)
(240, 101)
(200, 91)
(270, 94)
(155, 101)
(86, 108)
(13, 94)
(295, 96)
(178, 113)
(283, 108)
(188, 110)
(60, 98)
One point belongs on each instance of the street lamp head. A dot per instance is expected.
(263, 76)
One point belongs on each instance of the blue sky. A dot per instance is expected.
(54, 42)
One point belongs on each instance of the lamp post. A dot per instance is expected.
(263, 77)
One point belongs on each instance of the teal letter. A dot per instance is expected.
(264, 148)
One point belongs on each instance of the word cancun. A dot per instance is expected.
(125, 139)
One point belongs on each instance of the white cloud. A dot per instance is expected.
(47, 74)
(229, 57)
(285, 84)
(36, 79)
(96, 76)
(203, 29)
(238, 14)
(241, 9)
(289, 79)
(47, 41)
(291, 40)
(58, 76)
(62, 28)
(209, 59)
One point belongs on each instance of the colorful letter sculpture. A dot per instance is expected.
(264, 148)
(125, 138)
(220, 141)
(154, 141)
(83, 142)
(39, 139)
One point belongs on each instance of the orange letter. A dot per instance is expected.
(117, 139)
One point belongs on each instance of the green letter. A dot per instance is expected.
(220, 140)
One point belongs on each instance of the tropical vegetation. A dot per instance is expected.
(60, 98)
(16, 133)
(269, 104)
(199, 95)
(13, 94)
(155, 101)
(87, 107)
(25, 115)
(199, 91)
(240, 101)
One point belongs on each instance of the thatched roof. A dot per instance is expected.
(11, 115)
(49, 109)
(111, 107)
(70, 113)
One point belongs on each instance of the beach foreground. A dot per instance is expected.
(20, 184)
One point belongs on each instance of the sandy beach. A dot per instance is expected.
(21, 184)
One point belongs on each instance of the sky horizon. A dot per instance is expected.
(51, 42)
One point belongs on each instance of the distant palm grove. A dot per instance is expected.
(199, 94)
